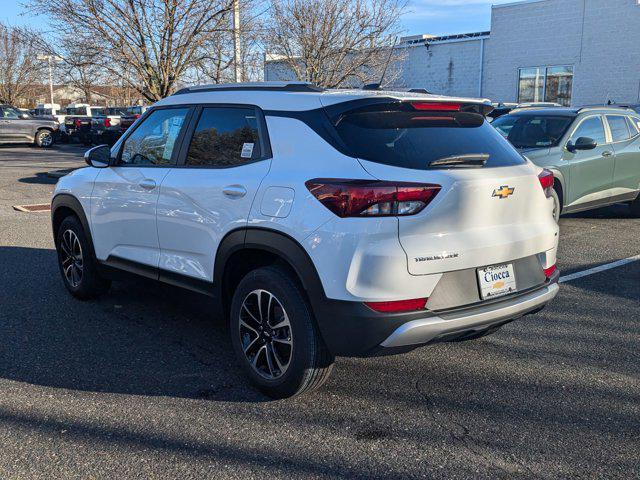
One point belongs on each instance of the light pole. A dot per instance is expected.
(236, 41)
(50, 59)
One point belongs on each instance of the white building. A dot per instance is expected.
(575, 52)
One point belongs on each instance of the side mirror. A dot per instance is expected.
(98, 157)
(582, 143)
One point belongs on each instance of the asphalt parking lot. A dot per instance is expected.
(143, 382)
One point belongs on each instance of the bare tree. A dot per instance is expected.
(20, 70)
(334, 43)
(80, 66)
(160, 40)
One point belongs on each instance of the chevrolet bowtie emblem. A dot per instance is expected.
(503, 192)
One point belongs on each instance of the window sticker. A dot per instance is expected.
(247, 150)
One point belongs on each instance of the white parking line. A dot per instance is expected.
(601, 268)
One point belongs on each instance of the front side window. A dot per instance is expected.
(533, 131)
(152, 143)
(225, 137)
(593, 128)
(618, 126)
(546, 84)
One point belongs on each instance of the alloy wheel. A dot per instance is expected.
(265, 334)
(46, 139)
(71, 258)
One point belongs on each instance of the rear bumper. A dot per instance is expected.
(476, 319)
(351, 329)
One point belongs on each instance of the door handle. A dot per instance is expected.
(234, 191)
(148, 184)
(607, 153)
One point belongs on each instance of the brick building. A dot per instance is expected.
(575, 52)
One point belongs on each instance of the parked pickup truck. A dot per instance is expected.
(106, 125)
(133, 113)
(78, 121)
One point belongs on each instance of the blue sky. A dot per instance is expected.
(437, 17)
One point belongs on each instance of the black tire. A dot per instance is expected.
(310, 361)
(635, 207)
(44, 138)
(89, 283)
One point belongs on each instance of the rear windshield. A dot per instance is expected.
(533, 131)
(406, 138)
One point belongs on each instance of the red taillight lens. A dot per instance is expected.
(546, 181)
(437, 106)
(107, 122)
(77, 123)
(137, 116)
(398, 306)
(548, 272)
(364, 198)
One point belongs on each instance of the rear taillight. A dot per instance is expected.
(77, 123)
(366, 198)
(137, 116)
(546, 181)
(107, 122)
(548, 272)
(399, 306)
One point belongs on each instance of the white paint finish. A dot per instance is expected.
(277, 202)
(601, 268)
(194, 214)
(123, 213)
(466, 220)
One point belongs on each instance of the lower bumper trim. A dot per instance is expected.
(425, 330)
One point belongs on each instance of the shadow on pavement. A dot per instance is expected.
(40, 178)
(141, 338)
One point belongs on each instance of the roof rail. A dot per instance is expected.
(604, 107)
(254, 86)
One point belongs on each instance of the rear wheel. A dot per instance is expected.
(44, 138)
(275, 336)
(78, 265)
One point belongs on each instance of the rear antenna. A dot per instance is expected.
(376, 86)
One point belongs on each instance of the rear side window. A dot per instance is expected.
(618, 126)
(225, 137)
(591, 128)
(406, 138)
(634, 126)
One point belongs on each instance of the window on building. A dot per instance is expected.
(225, 137)
(546, 84)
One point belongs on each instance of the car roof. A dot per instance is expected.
(293, 96)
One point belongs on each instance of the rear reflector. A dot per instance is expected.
(372, 198)
(398, 306)
(546, 181)
(437, 106)
(548, 272)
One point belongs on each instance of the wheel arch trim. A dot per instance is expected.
(66, 200)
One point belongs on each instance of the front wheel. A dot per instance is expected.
(275, 336)
(44, 139)
(635, 207)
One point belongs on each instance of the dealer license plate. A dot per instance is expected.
(496, 281)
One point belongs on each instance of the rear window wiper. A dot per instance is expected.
(463, 161)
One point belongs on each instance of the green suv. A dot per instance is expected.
(594, 153)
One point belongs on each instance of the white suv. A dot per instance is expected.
(327, 222)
